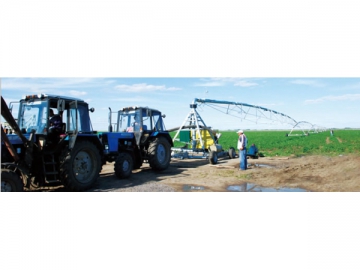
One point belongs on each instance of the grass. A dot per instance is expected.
(275, 143)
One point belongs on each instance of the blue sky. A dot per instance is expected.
(327, 102)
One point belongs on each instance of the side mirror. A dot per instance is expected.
(163, 116)
(92, 110)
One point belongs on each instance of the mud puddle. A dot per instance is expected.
(192, 188)
(247, 187)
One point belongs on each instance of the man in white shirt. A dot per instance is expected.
(242, 143)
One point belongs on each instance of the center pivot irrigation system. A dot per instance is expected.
(202, 142)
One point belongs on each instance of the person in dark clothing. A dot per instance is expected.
(55, 127)
(253, 151)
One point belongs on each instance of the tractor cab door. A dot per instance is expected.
(72, 123)
(61, 105)
(138, 126)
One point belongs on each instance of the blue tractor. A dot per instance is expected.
(138, 136)
(34, 155)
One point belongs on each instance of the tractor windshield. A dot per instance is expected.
(142, 119)
(33, 115)
(129, 121)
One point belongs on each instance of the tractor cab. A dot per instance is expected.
(137, 119)
(142, 121)
(36, 112)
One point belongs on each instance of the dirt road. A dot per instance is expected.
(314, 173)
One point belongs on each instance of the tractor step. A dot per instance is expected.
(50, 171)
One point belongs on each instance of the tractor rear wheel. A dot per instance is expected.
(159, 154)
(80, 166)
(10, 181)
(123, 165)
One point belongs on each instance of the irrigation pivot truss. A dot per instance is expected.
(305, 128)
(260, 115)
(253, 113)
(197, 141)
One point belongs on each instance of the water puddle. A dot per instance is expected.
(191, 188)
(247, 187)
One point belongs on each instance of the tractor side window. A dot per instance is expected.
(83, 121)
(136, 123)
(72, 120)
(147, 123)
(14, 109)
(158, 122)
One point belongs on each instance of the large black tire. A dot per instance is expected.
(123, 165)
(213, 158)
(80, 167)
(232, 153)
(10, 181)
(159, 154)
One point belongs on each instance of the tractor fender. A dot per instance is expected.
(166, 135)
(90, 138)
(21, 171)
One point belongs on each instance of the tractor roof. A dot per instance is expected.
(133, 108)
(46, 96)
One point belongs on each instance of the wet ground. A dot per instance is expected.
(246, 187)
(312, 173)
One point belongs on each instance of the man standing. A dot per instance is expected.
(242, 143)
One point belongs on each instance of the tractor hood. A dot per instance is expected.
(15, 139)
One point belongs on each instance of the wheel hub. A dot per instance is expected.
(5, 186)
(125, 165)
(82, 166)
(161, 153)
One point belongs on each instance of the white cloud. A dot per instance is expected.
(50, 85)
(210, 84)
(144, 87)
(214, 82)
(77, 93)
(269, 105)
(244, 83)
(124, 100)
(347, 97)
(353, 86)
(313, 83)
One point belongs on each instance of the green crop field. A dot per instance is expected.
(275, 143)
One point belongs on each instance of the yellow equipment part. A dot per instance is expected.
(206, 138)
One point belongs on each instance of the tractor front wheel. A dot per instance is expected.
(10, 181)
(123, 165)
